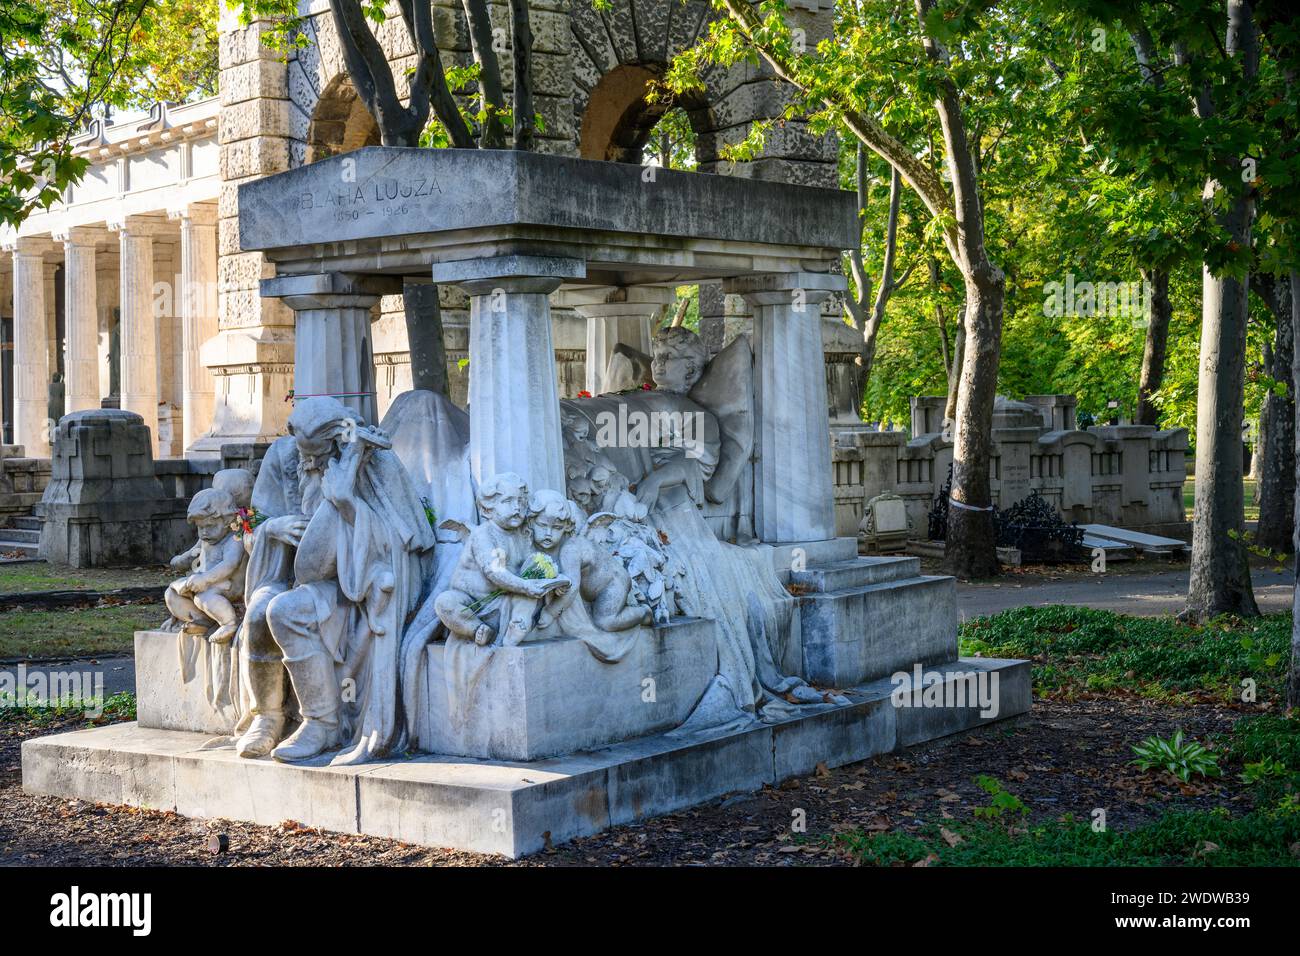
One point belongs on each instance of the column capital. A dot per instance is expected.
(780, 288)
(498, 268)
(330, 290)
(82, 235)
(30, 246)
(195, 213)
(616, 300)
(139, 227)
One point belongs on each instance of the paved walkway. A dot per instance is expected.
(118, 672)
(1147, 593)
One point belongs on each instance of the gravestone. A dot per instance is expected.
(104, 506)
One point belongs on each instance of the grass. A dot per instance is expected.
(1248, 489)
(86, 632)
(38, 576)
(115, 707)
(1080, 650)
(1202, 838)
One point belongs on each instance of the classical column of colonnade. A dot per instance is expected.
(162, 300)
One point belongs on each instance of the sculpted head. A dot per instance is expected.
(320, 427)
(212, 512)
(503, 500)
(551, 516)
(678, 359)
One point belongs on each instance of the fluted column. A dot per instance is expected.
(333, 355)
(514, 396)
(621, 317)
(31, 349)
(81, 320)
(793, 495)
(138, 325)
(198, 312)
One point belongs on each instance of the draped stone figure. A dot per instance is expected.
(337, 566)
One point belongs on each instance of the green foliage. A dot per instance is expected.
(1003, 802)
(65, 61)
(1202, 838)
(1179, 756)
(114, 708)
(1077, 649)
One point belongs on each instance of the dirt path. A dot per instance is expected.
(1062, 758)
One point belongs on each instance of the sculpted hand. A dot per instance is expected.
(286, 528)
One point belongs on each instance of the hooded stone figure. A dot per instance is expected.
(335, 570)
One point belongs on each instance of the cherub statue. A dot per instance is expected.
(491, 573)
(656, 578)
(599, 577)
(207, 595)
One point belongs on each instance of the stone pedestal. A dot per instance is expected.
(554, 697)
(104, 505)
(793, 498)
(514, 405)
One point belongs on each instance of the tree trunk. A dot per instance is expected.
(424, 336)
(1293, 682)
(1276, 492)
(522, 46)
(1220, 573)
(954, 377)
(971, 547)
(1159, 312)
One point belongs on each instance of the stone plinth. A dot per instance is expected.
(104, 505)
(553, 697)
(165, 699)
(502, 807)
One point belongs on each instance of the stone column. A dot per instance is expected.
(332, 344)
(81, 320)
(197, 298)
(31, 349)
(514, 403)
(137, 329)
(621, 317)
(793, 497)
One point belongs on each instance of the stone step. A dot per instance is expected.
(24, 535)
(857, 573)
(516, 808)
(10, 549)
(26, 523)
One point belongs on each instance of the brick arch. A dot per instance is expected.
(340, 122)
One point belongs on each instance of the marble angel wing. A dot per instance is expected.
(727, 390)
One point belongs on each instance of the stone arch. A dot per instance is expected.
(618, 119)
(340, 122)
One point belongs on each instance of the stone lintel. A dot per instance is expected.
(775, 288)
(607, 300)
(477, 271)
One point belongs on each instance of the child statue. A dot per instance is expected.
(491, 573)
(207, 595)
(599, 578)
